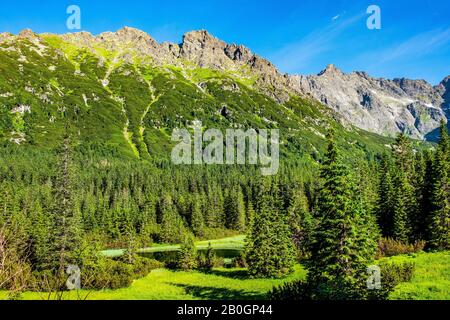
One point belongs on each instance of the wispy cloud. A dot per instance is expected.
(298, 55)
(335, 17)
(417, 46)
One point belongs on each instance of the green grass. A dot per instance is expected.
(231, 243)
(162, 284)
(431, 281)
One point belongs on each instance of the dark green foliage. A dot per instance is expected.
(342, 239)
(270, 250)
(172, 227)
(386, 197)
(207, 260)
(187, 257)
(301, 222)
(235, 209)
(440, 195)
(65, 227)
(391, 275)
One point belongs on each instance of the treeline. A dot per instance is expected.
(414, 194)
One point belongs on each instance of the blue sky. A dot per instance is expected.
(299, 36)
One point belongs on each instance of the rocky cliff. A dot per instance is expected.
(382, 106)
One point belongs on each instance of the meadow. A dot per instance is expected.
(431, 281)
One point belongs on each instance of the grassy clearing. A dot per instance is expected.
(430, 282)
(431, 279)
(162, 284)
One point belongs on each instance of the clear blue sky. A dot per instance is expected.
(299, 36)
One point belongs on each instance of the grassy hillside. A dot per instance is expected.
(129, 109)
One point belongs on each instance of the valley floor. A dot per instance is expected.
(431, 282)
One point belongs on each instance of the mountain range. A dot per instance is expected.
(125, 91)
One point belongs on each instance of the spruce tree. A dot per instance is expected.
(65, 238)
(235, 209)
(402, 197)
(269, 248)
(187, 259)
(386, 198)
(172, 226)
(405, 204)
(197, 220)
(338, 255)
(440, 195)
(301, 222)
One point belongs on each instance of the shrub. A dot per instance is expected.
(206, 260)
(239, 261)
(110, 274)
(143, 266)
(187, 257)
(388, 247)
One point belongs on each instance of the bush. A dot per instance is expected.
(239, 261)
(110, 274)
(205, 261)
(392, 274)
(388, 247)
(187, 257)
(143, 266)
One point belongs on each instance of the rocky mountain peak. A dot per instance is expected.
(331, 69)
(28, 34)
(378, 105)
(4, 36)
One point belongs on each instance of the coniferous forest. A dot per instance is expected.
(335, 218)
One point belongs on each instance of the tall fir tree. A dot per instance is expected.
(172, 226)
(197, 220)
(385, 206)
(339, 253)
(65, 238)
(235, 209)
(405, 202)
(301, 222)
(440, 195)
(269, 248)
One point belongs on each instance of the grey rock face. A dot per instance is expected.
(382, 106)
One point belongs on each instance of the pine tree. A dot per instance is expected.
(65, 239)
(269, 248)
(338, 256)
(206, 260)
(131, 250)
(187, 259)
(440, 195)
(197, 223)
(235, 209)
(301, 222)
(405, 203)
(385, 200)
(172, 226)
(250, 217)
(402, 196)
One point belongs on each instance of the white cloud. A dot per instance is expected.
(416, 46)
